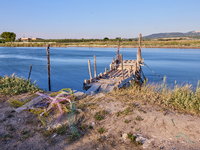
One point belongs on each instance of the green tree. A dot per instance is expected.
(8, 36)
(106, 39)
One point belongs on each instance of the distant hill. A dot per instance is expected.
(192, 34)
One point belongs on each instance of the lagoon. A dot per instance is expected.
(69, 65)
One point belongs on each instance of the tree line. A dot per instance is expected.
(11, 36)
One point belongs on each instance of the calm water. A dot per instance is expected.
(69, 65)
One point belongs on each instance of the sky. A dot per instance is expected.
(59, 19)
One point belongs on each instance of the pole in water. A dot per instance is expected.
(140, 36)
(118, 50)
(30, 71)
(122, 66)
(95, 67)
(89, 67)
(48, 66)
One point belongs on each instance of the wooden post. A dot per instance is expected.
(118, 51)
(30, 71)
(95, 67)
(48, 66)
(89, 67)
(106, 70)
(139, 54)
(122, 66)
(140, 36)
(135, 68)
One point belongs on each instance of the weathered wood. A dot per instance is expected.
(109, 88)
(89, 67)
(107, 82)
(93, 88)
(30, 104)
(122, 66)
(85, 81)
(103, 87)
(139, 54)
(118, 51)
(48, 66)
(95, 67)
(125, 81)
(140, 36)
(30, 71)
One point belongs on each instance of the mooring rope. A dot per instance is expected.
(40, 72)
(152, 71)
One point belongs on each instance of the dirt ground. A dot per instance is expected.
(157, 128)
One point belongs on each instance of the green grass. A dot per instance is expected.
(100, 115)
(61, 130)
(101, 130)
(138, 118)
(14, 85)
(127, 121)
(133, 139)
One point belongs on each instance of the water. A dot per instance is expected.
(69, 66)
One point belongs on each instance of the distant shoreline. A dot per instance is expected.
(103, 46)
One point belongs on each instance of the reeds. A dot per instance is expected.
(179, 97)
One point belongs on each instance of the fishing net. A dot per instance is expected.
(71, 120)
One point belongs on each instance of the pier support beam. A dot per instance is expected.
(118, 50)
(122, 66)
(89, 67)
(48, 66)
(95, 67)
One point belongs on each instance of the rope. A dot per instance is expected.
(152, 71)
(172, 122)
(40, 72)
(180, 134)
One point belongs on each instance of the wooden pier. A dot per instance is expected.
(121, 74)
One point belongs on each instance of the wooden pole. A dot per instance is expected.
(122, 66)
(89, 67)
(106, 70)
(30, 71)
(48, 66)
(139, 54)
(140, 36)
(118, 50)
(95, 67)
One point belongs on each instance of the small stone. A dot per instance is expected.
(124, 136)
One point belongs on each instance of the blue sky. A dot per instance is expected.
(97, 18)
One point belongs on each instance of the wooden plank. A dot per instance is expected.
(109, 88)
(103, 87)
(30, 104)
(124, 82)
(93, 88)
(107, 82)
(116, 72)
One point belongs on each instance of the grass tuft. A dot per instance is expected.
(101, 130)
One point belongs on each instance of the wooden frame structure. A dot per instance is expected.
(121, 73)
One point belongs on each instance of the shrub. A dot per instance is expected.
(14, 85)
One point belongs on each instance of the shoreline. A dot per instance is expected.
(106, 46)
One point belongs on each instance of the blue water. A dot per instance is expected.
(69, 66)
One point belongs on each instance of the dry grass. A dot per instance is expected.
(182, 98)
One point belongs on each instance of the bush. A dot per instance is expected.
(14, 85)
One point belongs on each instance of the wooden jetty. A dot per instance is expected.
(121, 74)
